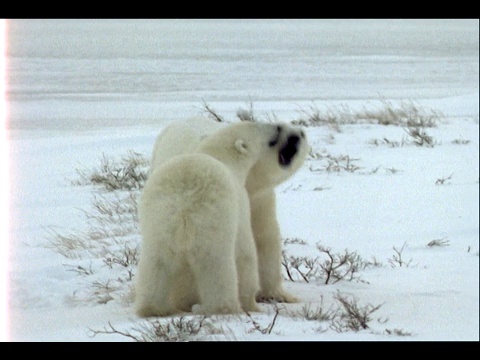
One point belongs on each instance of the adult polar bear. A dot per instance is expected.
(198, 246)
(183, 137)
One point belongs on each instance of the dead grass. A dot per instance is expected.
(177, 329)
(110, 241)
(398, 258)
(344, 314)
(333, 163)
(127, 173)
(444, 180)
(414, 136)
(405, 114)
(329, 267)
(439, 243)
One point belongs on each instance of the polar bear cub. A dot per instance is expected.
(198, 247)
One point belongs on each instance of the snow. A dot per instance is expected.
(78, 89)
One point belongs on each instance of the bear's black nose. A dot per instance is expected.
(293, 140)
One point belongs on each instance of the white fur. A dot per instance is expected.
(198, 247)
(183, 137)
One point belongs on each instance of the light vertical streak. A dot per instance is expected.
(4, 186)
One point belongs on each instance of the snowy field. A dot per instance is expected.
(395, 206)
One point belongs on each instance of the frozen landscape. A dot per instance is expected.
(380, 226)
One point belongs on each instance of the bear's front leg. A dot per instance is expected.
(246, 260)
(269, 247)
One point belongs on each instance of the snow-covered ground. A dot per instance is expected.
(78, 90)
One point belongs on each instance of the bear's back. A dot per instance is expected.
(196, 179)
(181, 138)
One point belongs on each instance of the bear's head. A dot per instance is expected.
(267, 153)
(290, 148)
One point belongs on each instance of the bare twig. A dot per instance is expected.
(397, 258)
(264, 330)
(439, 242)
(444, 180)
(353, 317)
(212, 112)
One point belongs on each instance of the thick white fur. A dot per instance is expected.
(183, 137)
(198, 247)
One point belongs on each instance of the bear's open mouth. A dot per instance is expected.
(288, 151)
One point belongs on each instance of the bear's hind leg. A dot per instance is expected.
(152, 292)
(216, 280)
(185, 295)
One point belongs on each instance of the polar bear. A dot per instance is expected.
(198, 249)
(183, 137)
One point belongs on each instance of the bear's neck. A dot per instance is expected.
(236, 164)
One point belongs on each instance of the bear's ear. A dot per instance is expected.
(241, 146)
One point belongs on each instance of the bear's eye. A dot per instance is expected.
(277, 137)
(302, 134)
